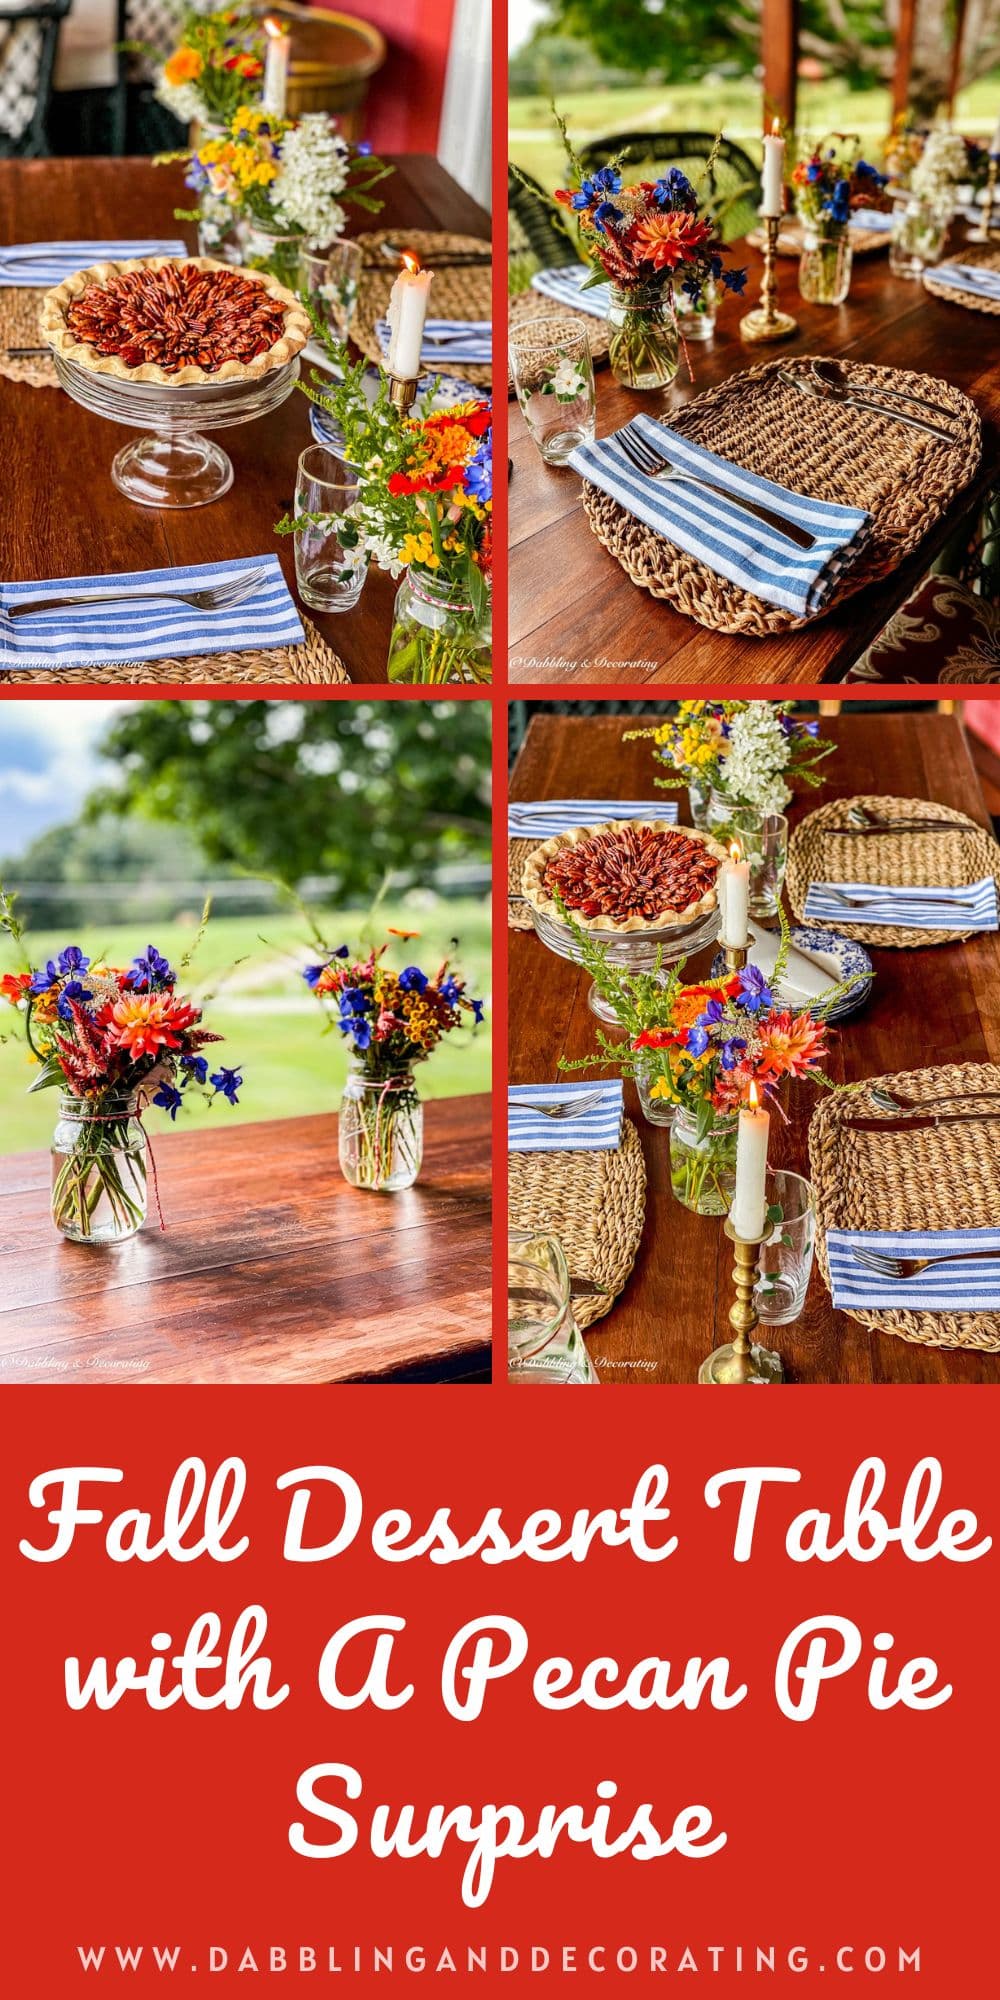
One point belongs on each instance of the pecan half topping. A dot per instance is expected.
(176, 316)
(633, 872)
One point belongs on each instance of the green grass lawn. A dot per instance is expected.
(291, 1066)
(731, 105)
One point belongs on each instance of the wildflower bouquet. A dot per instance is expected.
(113, 1040)
(753, 752)
(217, 66)
(650, 240)
(831, 180)
(425, 505)
(391, 1021)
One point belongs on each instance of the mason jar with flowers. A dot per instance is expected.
(218, 65)
(391, 1021)
(921, 221)
(736, 754)
(828, 184)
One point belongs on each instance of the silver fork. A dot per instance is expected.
(215, 597)
(933, 902)
(654, 464)
(910, 1267)
(563, 1109)
(888, 1100)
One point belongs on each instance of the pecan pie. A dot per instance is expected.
(631, 875)
(174, 320)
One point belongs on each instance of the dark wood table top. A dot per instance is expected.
(575, 616)
(62, 516)
(271, 1269)
(938, 1004)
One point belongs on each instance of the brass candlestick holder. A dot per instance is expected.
(736, 956)
(982, 231)
(765, 322)
(741, 1359)
(402, 393)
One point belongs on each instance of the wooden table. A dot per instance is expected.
(574, 614)
(935, 1005)
(62, 516)
(271, 1269)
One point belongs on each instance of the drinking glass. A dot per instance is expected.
(544, 1343)
(553, 375)
(330, 560)
(786, 1254)
(330, 280)
(764, 840)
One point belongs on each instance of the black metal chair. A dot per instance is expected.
(143, 125)
(732, 187)
(537, 227)
(28, 38)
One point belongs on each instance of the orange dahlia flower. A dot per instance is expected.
(184, 66)
(143, 1023)
(790, 1045)
(668, 240)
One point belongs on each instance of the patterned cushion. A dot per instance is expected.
(21, 46)
(157, 23)
(943, 634)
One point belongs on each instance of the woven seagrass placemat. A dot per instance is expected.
(595, 1203)
(518, 913)
(989, 257)
(315, 662)
(943, 1177)
(816, 447)
(463, 292)
(528, 306)
(19, 328)
(900, 861)
(791, 238)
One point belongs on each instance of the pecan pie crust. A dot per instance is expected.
(174, 320)
(626, 875)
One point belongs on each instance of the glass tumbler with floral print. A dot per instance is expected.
(331, 280)
(553, 374)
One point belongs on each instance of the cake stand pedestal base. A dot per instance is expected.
(187, 471)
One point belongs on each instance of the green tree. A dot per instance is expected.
(348, 789)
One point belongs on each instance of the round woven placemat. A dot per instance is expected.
(820, 448)
(595, 1203)
(528, 306)
(791, 238)
(464, 292)
(19, 328)
(989, 257)
(315, 662)
(518, 913)
(903, 861)
(944, 1177)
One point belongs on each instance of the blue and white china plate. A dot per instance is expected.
(434, 392)
(843, 957)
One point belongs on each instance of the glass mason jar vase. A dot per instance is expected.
(703, 1170)
(381, 1139)
(544, 1343)
(655, 1110)
(825, 266)
(919, 228)
(98, 1169)
(696, 317)
(699, 799)
(643, 347)
(437, 637)
(271, 250)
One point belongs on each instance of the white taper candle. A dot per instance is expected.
(749, 1210)
(772, 189)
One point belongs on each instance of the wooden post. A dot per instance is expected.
(780, 25)
(904, 56)
(955, 74)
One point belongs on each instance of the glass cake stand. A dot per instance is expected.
(635, 949)
(173, 465)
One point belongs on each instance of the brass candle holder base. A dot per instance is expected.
(765, 322)
(736, 956)
(983, 231)
(741, 1359)
(402, 393)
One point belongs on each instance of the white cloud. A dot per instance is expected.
(49, 761)
(523, 17)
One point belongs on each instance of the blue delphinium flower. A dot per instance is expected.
(74, 989)
(312, 973)
(479, 473)
(168, 1099)
(478, 1010)
(697, 1040)
(73, 960)
(692, 287)
(363, 147)
(674, 190)
(711, 1014)
(838, 204)
(195, 1070)
(871, 173)
(813, 170)
(604, 213)
(46, 977)
(755, 992)
(715, 265)
(226, 1083)
(358, 1028)
(732, 1051)
(412, 980)
(734, 281)
(354, 1000)
(450, 991)
(149, 972)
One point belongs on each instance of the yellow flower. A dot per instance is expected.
(419, 549)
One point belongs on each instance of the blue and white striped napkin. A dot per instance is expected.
(723, 536)
(49, 263)
(544, 818)
(985, 283)
(564, 285)
(948, 1288)
(871, 218)
(448, 340)
(910, 909)
(596, 1131)
(147, 627)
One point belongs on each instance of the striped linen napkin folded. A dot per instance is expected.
(564, 285)
(870, 218)
(971, 907)
(595, 1131)
(148, 626)
(49, 263)
(450, 340)
(728, 540)
(968, 278)
(973, 1287)
(544, 818)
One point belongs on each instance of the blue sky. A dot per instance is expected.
(49, 761)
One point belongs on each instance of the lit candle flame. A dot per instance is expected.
(736, 850)
(410, 261)
(754, 1099)
(274, 28)
(775, 126)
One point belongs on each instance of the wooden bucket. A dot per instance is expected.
(333, 58)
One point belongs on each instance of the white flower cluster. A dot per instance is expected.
(183, 99)
(754, 768)
(313, 171)
(942, 164)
